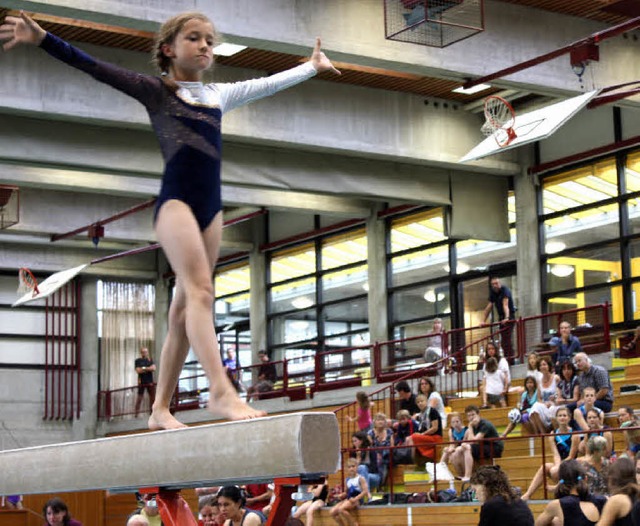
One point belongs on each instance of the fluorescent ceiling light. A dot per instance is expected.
(431, 297)
(553, 247)
(302, 302)
(562, 271)
(227, 49)
(471, 91)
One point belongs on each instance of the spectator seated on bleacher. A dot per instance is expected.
(466, 454)
(402, 430)
(568, 385)
(367, 459)
(596, 463)
(381, 436)
(563, 445)
(429, 431)
(267, 376)
(594, 376)
(543, 411)
(580, 414)
(565, 345)
(210, 512)
(627, 418)
(407, 400)
(434, 398)
(596, 428)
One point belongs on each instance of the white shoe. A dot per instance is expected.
(442, 472)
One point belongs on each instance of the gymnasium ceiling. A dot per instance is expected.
(610, 12)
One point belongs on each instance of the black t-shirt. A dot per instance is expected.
(410, 405)
(497, 297)
(497, 510)
(425, 423)
(268, 370)
(147, 376)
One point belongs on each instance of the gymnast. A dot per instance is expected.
(185, 115)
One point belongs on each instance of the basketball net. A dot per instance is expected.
(27, 282)
(500, 118)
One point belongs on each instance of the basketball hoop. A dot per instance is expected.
(27, 282)
(500, 118)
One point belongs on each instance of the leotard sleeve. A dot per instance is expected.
(144, 88)
(236, 94)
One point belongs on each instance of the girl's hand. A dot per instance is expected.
(320, 60)
(20, 30)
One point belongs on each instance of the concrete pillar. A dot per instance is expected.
(378, 318)
(258, 305)
(528, 246)
(84, 428)
(161, 315)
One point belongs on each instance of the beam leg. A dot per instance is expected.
(174, 510)
(281, 510)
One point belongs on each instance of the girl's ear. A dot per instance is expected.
(167, 50)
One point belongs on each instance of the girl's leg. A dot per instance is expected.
(316, 505)
(174, 354)
(346, 513)
(537, 481)
(336, 513)
(192, 255)
(302, 509)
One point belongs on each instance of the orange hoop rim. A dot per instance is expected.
(28, 280)
(500, 118)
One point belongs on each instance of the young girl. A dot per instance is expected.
(185, 115)
(564, 446)
(429, 430)
(456, 435)
(363, 412)
(527, 399)
(494, 385)
(352, 498)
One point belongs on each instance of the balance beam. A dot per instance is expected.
(304, 445)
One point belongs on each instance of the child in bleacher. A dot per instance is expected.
(457, 433)
(429, 430)
(580, 413)
(494, 384)
(363, 412)
(527, 399)
(352, 498)
(403, 429)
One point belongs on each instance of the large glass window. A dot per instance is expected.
(583, 242)
(580, 186)
(302, 318)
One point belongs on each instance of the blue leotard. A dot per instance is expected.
(563, 444)
(186, 123)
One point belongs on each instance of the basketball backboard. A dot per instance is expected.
(533, 126)
(50, 285)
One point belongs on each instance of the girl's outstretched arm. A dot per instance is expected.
(23, 30)
(20, 30)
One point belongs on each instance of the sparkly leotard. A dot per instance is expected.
(186, 123)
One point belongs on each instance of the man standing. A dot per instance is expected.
(145, 368)
(500, 297)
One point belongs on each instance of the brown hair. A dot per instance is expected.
(495, 482)
(167, 35)
(363, 400)
(546, 358)
(622, 478)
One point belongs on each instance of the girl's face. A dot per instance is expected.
(562, 417)
(192, 49)
(422, 403)
(593, 420)
(491, 350)
(437, 326)
(229, 509)
(544, 366)
(352, 469)
(55, 518)
(356, 442)
(425, 388)
(533, 361)
(529, 385)
(456, 422)
(623, 416)
(380, 423)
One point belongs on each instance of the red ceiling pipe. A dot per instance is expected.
(101, 222)
(584, 156)
(584, 43)
(156, 246)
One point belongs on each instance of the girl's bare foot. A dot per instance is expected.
(163, 419)
(227, 405)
